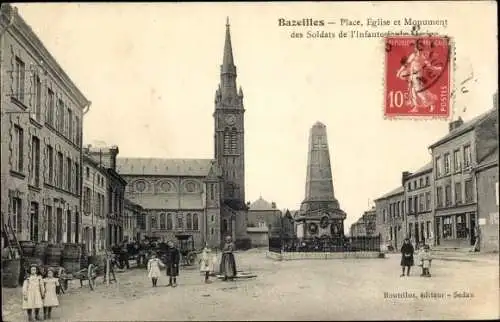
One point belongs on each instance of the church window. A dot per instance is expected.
(234, 140)
(170, 225)
(227, 141)
(212, 192)
(166, 186)
(162, 221)
(190, 187)
(140, 186)
(212, 231)
(180, 222)
(189, 222)
(154, 222)
(212, 218)
(195, 222)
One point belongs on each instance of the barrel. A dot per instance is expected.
(40, 250)
(53, 255)
(71, 265)
(11, 270)
(28, 247)
(71, 251)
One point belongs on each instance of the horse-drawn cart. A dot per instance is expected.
(186, 248)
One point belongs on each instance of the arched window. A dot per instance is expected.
(154, 221)
(189, 222)
(162, 221)
(170, 225)
(195, 222)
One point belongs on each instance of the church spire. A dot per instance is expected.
(228, 66)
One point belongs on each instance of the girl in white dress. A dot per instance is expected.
(50, 299)
(33, 290)
(206, 263)
(154, 265)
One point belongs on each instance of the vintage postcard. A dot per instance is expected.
(249, 161)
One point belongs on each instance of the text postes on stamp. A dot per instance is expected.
(417, 76)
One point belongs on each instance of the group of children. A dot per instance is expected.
(40, 293)
(207, 264)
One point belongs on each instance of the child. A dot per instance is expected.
(425, 261)
(206, 263)
(33, 291)
(154, 265)
(172, 259)
(50, 297)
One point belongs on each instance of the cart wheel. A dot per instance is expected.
(91, 275)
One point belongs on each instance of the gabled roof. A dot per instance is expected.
(163, 167)
(490, 159)
(466, 127)
(394, 192)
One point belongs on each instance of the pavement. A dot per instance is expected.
(347, 289)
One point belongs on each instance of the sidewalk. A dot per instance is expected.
(461, 256)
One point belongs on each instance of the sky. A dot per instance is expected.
(151, 71)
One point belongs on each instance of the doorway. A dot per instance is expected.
(472, 229)
(68, 226)
(438, 231)
(417, 234)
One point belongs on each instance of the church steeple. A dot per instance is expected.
(229, 91)
(228, 66)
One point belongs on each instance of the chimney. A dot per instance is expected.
(405, 175)
(455, 124)
(273, 205)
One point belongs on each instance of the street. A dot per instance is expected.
(288, 290)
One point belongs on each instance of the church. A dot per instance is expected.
(201, 197)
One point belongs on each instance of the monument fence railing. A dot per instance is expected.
(330, 244)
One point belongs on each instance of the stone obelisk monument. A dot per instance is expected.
(320, 214)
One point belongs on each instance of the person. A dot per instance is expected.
(228, 264)
(154, 265)
(407, 261)
(425, 261)
(172, 259)
(124, 256)
(33, 291)
(206, 261)
(50, 299)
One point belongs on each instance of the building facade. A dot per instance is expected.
(419, 218)
(262, 213)
(41, 130)
(130, 221)
(179, 196)
(95, 204)
(105, 157)
(455, 156)
(487, 192)
(390, 214)
(366, 225)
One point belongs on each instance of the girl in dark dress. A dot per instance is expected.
(228, 264)
(171, 259)
(407, 251)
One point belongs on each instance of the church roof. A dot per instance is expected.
(163, 167)
(261, 204)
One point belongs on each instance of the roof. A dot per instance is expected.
(394, 192)
(163, 167)
(261, 204)
(467, 126)
(425, 168)
(490, 159)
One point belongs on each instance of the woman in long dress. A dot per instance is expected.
(33, 290)
(407, 261)
(228, 264)
(154, 265)
(50, 299)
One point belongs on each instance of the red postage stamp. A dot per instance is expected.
(417, 76)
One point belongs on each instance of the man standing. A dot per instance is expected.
(171, 260)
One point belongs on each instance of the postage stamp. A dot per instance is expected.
(417, 76)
